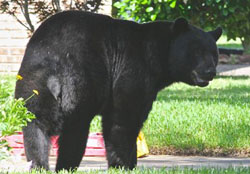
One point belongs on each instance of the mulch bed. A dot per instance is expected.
(218, 152)
(234, 59)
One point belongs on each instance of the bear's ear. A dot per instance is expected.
(180, 25)
(216, 33)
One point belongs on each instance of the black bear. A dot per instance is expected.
(84, 64)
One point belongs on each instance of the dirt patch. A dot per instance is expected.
(218, 152)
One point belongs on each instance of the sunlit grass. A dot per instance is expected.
(224, 43)
(231, 44)
(175, 170)
(217, 116)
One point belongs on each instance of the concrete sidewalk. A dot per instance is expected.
(152, 161)
(233, 70)
(159, 161)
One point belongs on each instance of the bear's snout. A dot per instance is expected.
(202, 78)
(209, 73)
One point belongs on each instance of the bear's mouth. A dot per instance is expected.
(199, 80)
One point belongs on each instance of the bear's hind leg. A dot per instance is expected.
(37, 145)
(72, 143)
(120, 142)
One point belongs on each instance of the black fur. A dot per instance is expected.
(84, 64)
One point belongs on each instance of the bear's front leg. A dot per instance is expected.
(120, 140)
(36, 143)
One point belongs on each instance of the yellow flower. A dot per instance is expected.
(36, 92)
(19, 77)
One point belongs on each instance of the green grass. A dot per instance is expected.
(217, 116)
(11, 79)
(230, 170)
(224, 43)
(185, 117)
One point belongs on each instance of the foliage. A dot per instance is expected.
(96, 124)
(43, 9)
(13, 114)
(144, 10)
(232, 16)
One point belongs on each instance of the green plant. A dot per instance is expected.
(144, 10)
(95, 125)
(232, 16)
(13, 113)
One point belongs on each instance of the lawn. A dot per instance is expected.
(224, 43)
(214, 118)
(230, 170)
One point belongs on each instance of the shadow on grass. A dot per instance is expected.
(231, 94)
(227, 134)
(230, 46)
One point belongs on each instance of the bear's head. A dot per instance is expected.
(193, 54)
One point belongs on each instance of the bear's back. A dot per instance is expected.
(70, 23)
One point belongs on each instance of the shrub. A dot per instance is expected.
(232, 16)
(13, 113)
